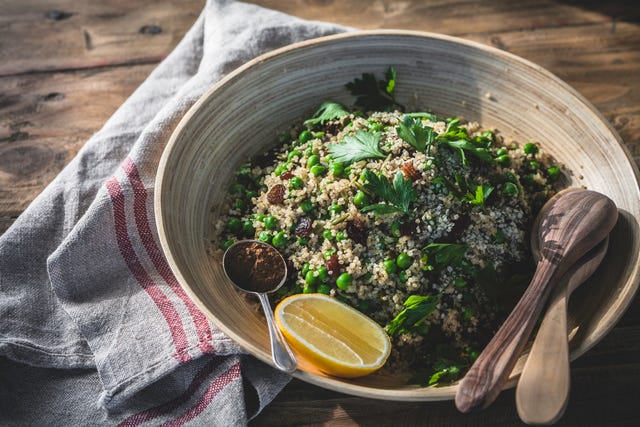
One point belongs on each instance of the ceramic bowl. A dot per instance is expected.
(241, 116)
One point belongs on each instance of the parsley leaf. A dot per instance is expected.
(374, 95)
(445, 372)
(418, 136)
(447, 253)
(362, 145)
(457, 138)
(413, 316)
(481, 194)
(397, 196)
(327, 111)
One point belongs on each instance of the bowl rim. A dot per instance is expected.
(410, 394)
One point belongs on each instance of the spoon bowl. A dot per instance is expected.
(258, 268)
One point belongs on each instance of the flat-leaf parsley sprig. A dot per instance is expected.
(375, 95)
(353, 148)
(398, 196)
(413, 317)
(415, 134)
(327, 111)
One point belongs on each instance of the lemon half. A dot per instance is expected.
(337, 339)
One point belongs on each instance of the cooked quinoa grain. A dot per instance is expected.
(418, 222)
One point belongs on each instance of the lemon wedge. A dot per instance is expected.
(335, 338)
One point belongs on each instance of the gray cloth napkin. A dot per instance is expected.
(101, 329)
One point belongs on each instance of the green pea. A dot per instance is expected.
(503, 160)
(239, 204)
(306, 206)
(247, 228)
(363, 176)
(553, 172)
(403, 261)
(360, 199)
(336, 169)
(308, 152)
(344, 281)
(390, 266)
(296, 183)
(237, 188)
(302, 241)
(402, 276)
(294, 153)
(305, 268)
(270, 222)
(225, 245)
(323, 273)
(459, 282)
(279, 240)
(534, 165)
(310, 278)
(317, 170)
(510, 189)
(251, 194)
(264, 236)
(313, 160)
(530, 148)
(341, 235)
(395, 229)
(309, 289)
(323, 288)
(281, 168)
(305, 136)
(260, 217)
(327, 234)
(234, 225)
(335, 209)
(501, 151)
(328, 254)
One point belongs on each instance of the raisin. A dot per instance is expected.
(275, 196)
(304, 229)
(357, 231)
(408, 228)
(409, 171)
(333, 128)
(286, 175)
(333, 266)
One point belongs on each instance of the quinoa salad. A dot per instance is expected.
(418, 221)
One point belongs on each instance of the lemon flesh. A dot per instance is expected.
(337, 339)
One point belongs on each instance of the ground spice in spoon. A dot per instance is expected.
(255, 267)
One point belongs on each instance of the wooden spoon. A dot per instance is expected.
(542, 393)
(570, 226)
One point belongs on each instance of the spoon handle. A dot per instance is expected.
(543, 388)
(280, 352)
(484, 381)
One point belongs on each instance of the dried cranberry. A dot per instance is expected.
(409, 171)
(333, 266)
(303, 228)
(275, 196)
(357, 231)
(286, 175)
(333, 128)
(408, 228)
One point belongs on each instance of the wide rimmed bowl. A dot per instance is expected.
(241, 116)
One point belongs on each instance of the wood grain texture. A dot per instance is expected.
(593, 45)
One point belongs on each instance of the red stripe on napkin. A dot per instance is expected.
(157, 257)
(163, 303)
(166, 408)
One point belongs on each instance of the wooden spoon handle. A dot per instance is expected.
(543, 388)
(484, 381)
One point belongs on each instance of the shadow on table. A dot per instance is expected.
(617, 10)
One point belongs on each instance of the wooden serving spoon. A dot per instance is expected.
(570, 226)
(542, 393)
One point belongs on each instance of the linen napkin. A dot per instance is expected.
(94, 327)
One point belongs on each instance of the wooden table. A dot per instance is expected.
(66, 65)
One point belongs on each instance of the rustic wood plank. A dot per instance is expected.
(68, 34)
(45, 119)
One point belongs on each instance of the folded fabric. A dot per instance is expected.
(84, 286)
